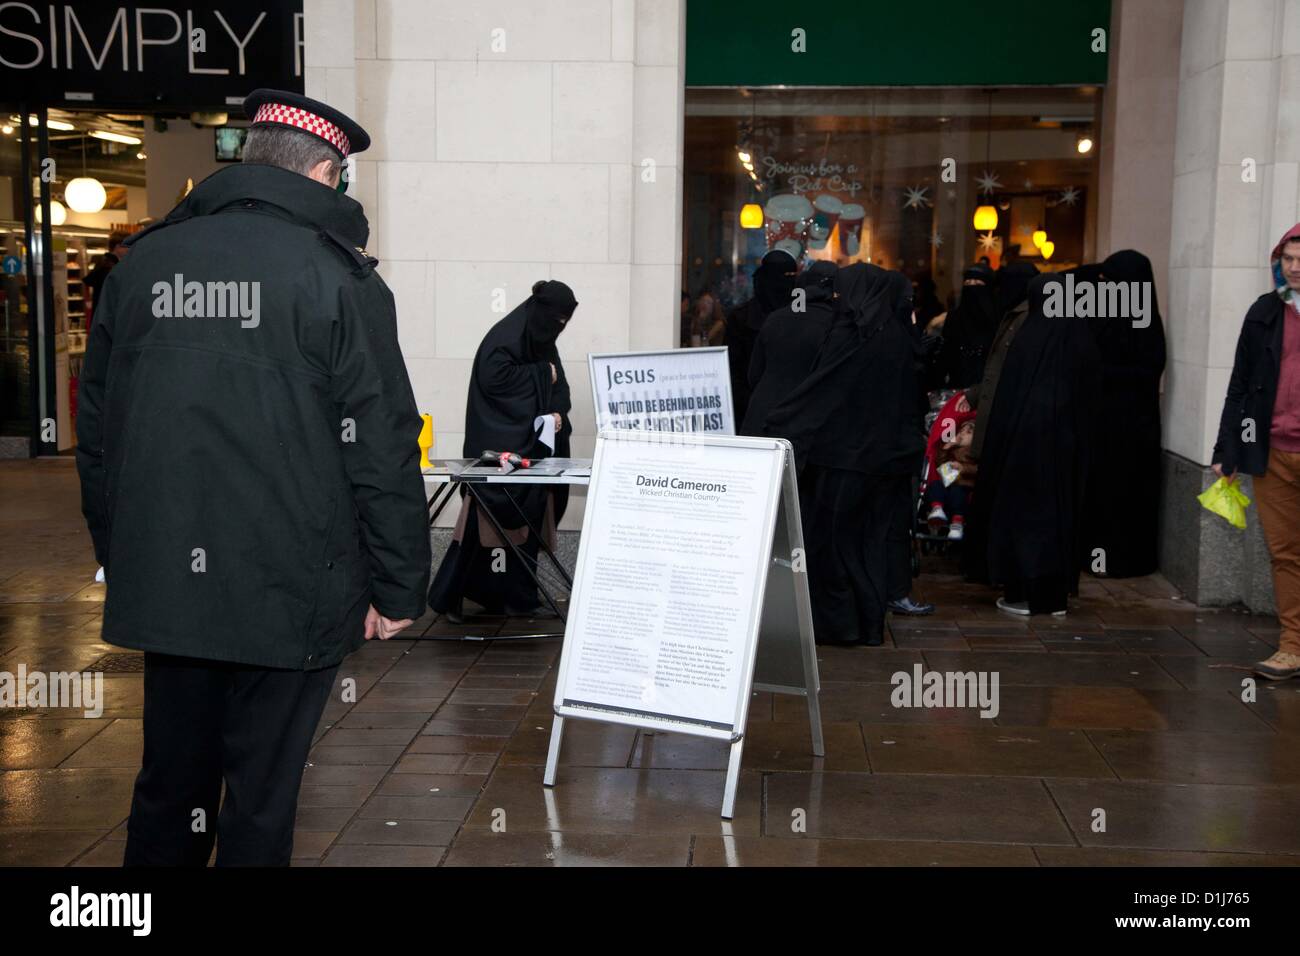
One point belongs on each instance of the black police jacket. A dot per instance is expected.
(247, 434)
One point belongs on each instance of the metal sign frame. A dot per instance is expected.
(769, 636)
(668, 353)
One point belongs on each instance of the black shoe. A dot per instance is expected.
(872, 642)
(905, 605)
(539, 613)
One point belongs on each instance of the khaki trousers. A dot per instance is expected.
(1277, 493)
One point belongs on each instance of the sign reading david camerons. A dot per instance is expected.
(678, 390)
(157, 54)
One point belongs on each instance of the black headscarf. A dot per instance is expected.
(969, 329)
(818, 281)
(1013, 285)
(1120, 343)
(548, 309)
(856, 410)
(774, 280)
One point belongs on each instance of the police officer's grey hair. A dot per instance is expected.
(289, 148)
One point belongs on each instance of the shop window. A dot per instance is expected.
(891, 176)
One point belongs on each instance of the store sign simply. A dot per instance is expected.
(152, 55)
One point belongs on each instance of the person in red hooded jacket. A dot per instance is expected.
(945, 496)
(1259, 434)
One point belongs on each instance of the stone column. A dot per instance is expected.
(514, 142)
(1237, 155)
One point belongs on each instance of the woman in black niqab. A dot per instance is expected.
(1033, 469)
(856, 431)
(969, 329)
(1123, 509)
(516, 378)
(774, 281)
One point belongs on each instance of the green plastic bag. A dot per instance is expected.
(1226, 500)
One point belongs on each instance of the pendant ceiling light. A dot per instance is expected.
(751, 216)
(1039, 237)
(986, 219)
(85, 193)
(58, 214)
(986, 216)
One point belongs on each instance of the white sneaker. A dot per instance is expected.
(937, 514)
(1020, 608)
(956, 531)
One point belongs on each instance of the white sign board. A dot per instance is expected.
(682, 391)
(677, 553)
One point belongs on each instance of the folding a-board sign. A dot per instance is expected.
(674, 390)
(689, 591)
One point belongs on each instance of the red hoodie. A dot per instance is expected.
(948, 416)
(1285, 433)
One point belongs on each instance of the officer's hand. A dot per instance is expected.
(559, 421)
(383, 627)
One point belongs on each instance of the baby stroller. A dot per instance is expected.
(930, 539)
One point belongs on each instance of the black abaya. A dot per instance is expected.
(854, 424)
(1123, 508)
(510, 386)
(788, 345)
(1033, 468)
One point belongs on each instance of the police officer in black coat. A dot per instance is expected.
(247, 444)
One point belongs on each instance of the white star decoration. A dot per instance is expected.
(989, 182)
(936, 240)
(916, 198)
(990, 242)
(1069, 195)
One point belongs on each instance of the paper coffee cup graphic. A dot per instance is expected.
(788, 216)
(851, 218)
(826, 210)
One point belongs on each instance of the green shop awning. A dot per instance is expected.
(896, 43)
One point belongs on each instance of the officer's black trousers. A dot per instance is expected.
(209, 721)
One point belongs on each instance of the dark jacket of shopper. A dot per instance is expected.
(252, 482)
(1252, 389)
(787, 346)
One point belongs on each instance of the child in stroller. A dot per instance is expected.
(948, 471)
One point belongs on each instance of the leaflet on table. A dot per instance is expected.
(666, 599)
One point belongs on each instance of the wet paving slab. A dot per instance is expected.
(1138, 709)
